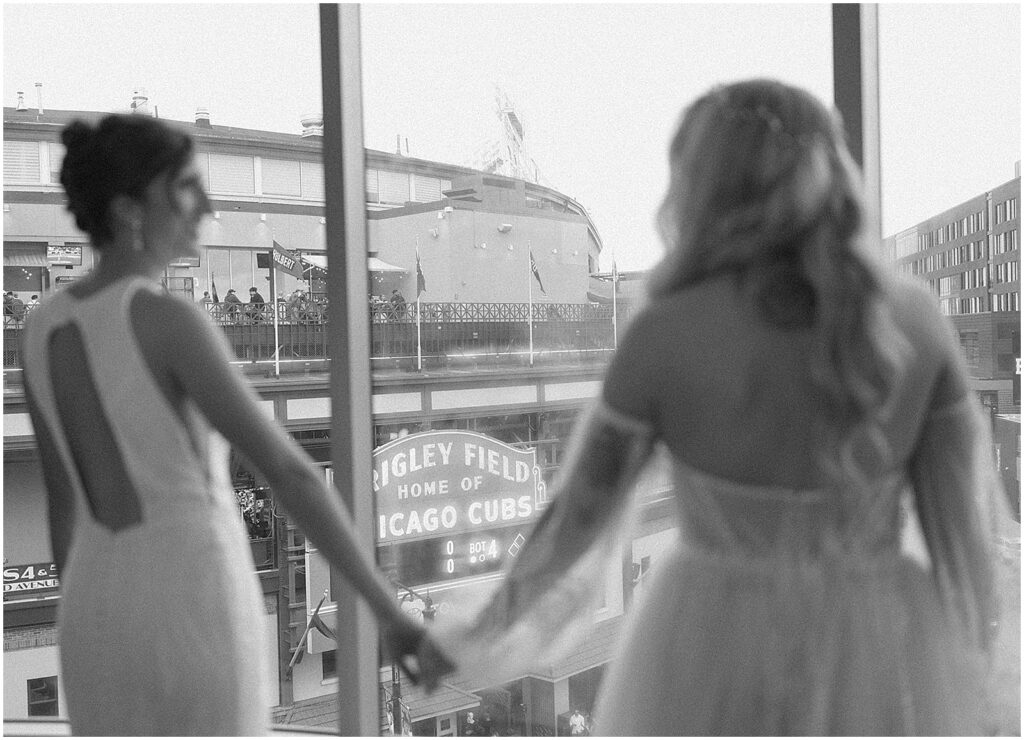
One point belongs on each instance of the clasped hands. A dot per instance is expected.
(411, 646)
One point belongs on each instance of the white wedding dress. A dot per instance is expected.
(780, 611)
(161, 612)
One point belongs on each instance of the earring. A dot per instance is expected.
(138, 244)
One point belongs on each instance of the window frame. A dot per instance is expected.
(51, 703)
(856, 95)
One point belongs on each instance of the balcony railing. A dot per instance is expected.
(411, 336)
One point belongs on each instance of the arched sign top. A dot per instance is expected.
(412, 439)
(437, 483)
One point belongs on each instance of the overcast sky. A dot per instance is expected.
(599, 86)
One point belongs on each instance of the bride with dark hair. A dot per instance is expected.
(134, 401)
(800, 392)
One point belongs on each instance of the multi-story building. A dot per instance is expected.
(969, 255)
(513, 343)
(475, 232)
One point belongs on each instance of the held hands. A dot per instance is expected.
(410, 644)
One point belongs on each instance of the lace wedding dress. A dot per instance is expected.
(780, 611)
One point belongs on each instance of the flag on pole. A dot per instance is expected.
(421, 282)
(213, 288)
(314, 621)
(322, 628)
(284, 260)
(615, 277)
(536, 273)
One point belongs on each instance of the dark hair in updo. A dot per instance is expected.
(120, 155)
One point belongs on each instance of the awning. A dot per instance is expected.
(373, 263)
(444, 700)
(23, 259)
(379, 265)
(322, 711)
(316, 260)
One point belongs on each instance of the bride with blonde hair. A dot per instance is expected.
(800, 393)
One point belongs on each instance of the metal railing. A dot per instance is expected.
(411, 336)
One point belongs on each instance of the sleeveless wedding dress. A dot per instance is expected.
(161, 614)
(779, 611)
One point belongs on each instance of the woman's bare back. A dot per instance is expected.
(733, 395)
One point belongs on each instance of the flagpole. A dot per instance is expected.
(615, 304)
(305, 633)
(529, 282)
(273, 299)
(419, 344)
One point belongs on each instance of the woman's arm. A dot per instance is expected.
(957, 495)
(60, 495)
(552, 587)
(182, 346)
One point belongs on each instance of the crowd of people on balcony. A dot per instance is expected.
(15, 309)
(297, 308)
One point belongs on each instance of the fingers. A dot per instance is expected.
(412, 671)
(433, 664)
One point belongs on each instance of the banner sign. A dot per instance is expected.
(33, 577)
(64, 254)
(436, 484)
(286, 261)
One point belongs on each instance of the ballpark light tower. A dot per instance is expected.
(506, 155)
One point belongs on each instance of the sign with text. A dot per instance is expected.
(33, 577)
(437, 484)
(451, 507)
(286, 261)
(64, 254)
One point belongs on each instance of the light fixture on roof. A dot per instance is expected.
(21, 100)
(504, 228)
(312, 125)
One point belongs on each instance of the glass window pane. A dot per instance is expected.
(21, 161)
(231, 174)
(509, 168)
(950, 147)
(205, 69)
(280, 177)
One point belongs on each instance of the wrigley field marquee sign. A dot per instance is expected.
(436, 484)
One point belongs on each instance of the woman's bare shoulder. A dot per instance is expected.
(917, 314)
(168, 326)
